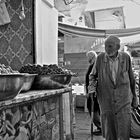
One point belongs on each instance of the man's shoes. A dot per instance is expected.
(97, 132)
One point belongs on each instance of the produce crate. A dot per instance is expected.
(80, 100)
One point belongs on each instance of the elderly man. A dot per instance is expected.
(115, 90)
(91, 56)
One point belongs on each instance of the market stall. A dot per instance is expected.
(27, 112)
(36, 115)
(36, 105)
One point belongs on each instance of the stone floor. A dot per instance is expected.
(82, 126)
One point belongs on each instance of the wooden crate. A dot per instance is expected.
(80, 100)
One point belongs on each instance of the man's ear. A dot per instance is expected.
(118, 46)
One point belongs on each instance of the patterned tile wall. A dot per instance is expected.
(17, 38)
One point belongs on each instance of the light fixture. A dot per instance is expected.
(22, 14)
(116, 13)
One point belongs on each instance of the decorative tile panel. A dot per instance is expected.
(28, 4)
(15, 22)
(10, 11)
(22, 32)
(17, 38)
(1, 34)
(4, 45)
(15, 43)
(22, 54)
(14, 4)
(9, 55)
(9, 33)
(2, 59)
(1, 55)
(3, 28)
(28, 22)
(27, 42)
(15, 63)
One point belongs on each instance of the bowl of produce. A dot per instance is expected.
(28, 81)
(45, 69)
(48, 76)
(54, 81)
(10, 85)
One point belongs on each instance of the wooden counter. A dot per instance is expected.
(37, 115)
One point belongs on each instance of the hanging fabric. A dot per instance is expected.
(4, 16)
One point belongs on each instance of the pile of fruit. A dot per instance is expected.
(44, 70)
(6, 69)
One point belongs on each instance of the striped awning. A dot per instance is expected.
(127, 36)
(90, 32)
(80, 31)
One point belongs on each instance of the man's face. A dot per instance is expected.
(111, 48)
(91, 60)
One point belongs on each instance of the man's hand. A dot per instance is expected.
(92, 95)
(92, 88)
(92, 85)
(134, 102)
(87, 95)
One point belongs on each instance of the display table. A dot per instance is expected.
(37, 115)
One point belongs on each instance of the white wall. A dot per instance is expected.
(46, 32)
(131, 9)
(77, 44)
(131, 12)
(104, 19)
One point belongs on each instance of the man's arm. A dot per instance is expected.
(93, 79)
(87, 81)
(132, 85)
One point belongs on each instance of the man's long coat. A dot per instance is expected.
(115, 99)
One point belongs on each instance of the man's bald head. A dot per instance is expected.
(112, 45)
(112, 39)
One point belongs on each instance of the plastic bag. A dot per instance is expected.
(135, 123)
